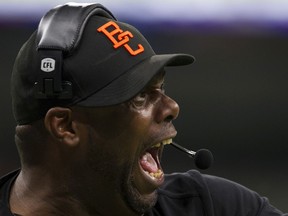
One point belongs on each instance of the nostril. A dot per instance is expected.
(169, 118)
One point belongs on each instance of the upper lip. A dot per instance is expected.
(160, 141)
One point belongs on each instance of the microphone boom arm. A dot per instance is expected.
(181, 148)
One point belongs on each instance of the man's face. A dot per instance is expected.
(126, 141)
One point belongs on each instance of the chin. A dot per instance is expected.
(141, 203)
(137, 202)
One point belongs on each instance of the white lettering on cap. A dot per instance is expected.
(48, 65)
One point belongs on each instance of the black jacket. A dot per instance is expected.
(190, 193)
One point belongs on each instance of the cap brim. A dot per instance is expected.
(134, 80)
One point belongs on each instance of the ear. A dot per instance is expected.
(58, 121)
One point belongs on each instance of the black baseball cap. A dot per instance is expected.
(97, 60)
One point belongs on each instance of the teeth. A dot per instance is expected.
(164, 142)
(157, 175)
(156, 145)
(168, 141)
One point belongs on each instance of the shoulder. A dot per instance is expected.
(5, 185)
(212, 195)
(231, 197)
(195, 182)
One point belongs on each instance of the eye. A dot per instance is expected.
(148, 95)
(140, 99)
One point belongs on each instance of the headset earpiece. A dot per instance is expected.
(50, 84)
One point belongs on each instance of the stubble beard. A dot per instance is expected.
(123, 182)
(121, 178)
(139, 203)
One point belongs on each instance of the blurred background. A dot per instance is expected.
(233, 99)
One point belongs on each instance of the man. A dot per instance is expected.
(92, 120)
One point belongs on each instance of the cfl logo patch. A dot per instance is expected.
(48, 65)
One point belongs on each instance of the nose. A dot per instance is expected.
(168, 109)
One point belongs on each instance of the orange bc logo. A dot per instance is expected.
(122, 39)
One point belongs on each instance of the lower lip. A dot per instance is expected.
(154, 183)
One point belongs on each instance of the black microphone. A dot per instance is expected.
(203, 158)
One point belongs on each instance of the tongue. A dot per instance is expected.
(148, 163)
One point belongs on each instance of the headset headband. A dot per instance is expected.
(59, 33)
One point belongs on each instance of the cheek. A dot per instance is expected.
(113, 145)
(145, 126)
(142, 120)
(122, 134)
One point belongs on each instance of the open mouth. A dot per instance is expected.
(150, 163)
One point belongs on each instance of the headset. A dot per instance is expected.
(59, 33)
